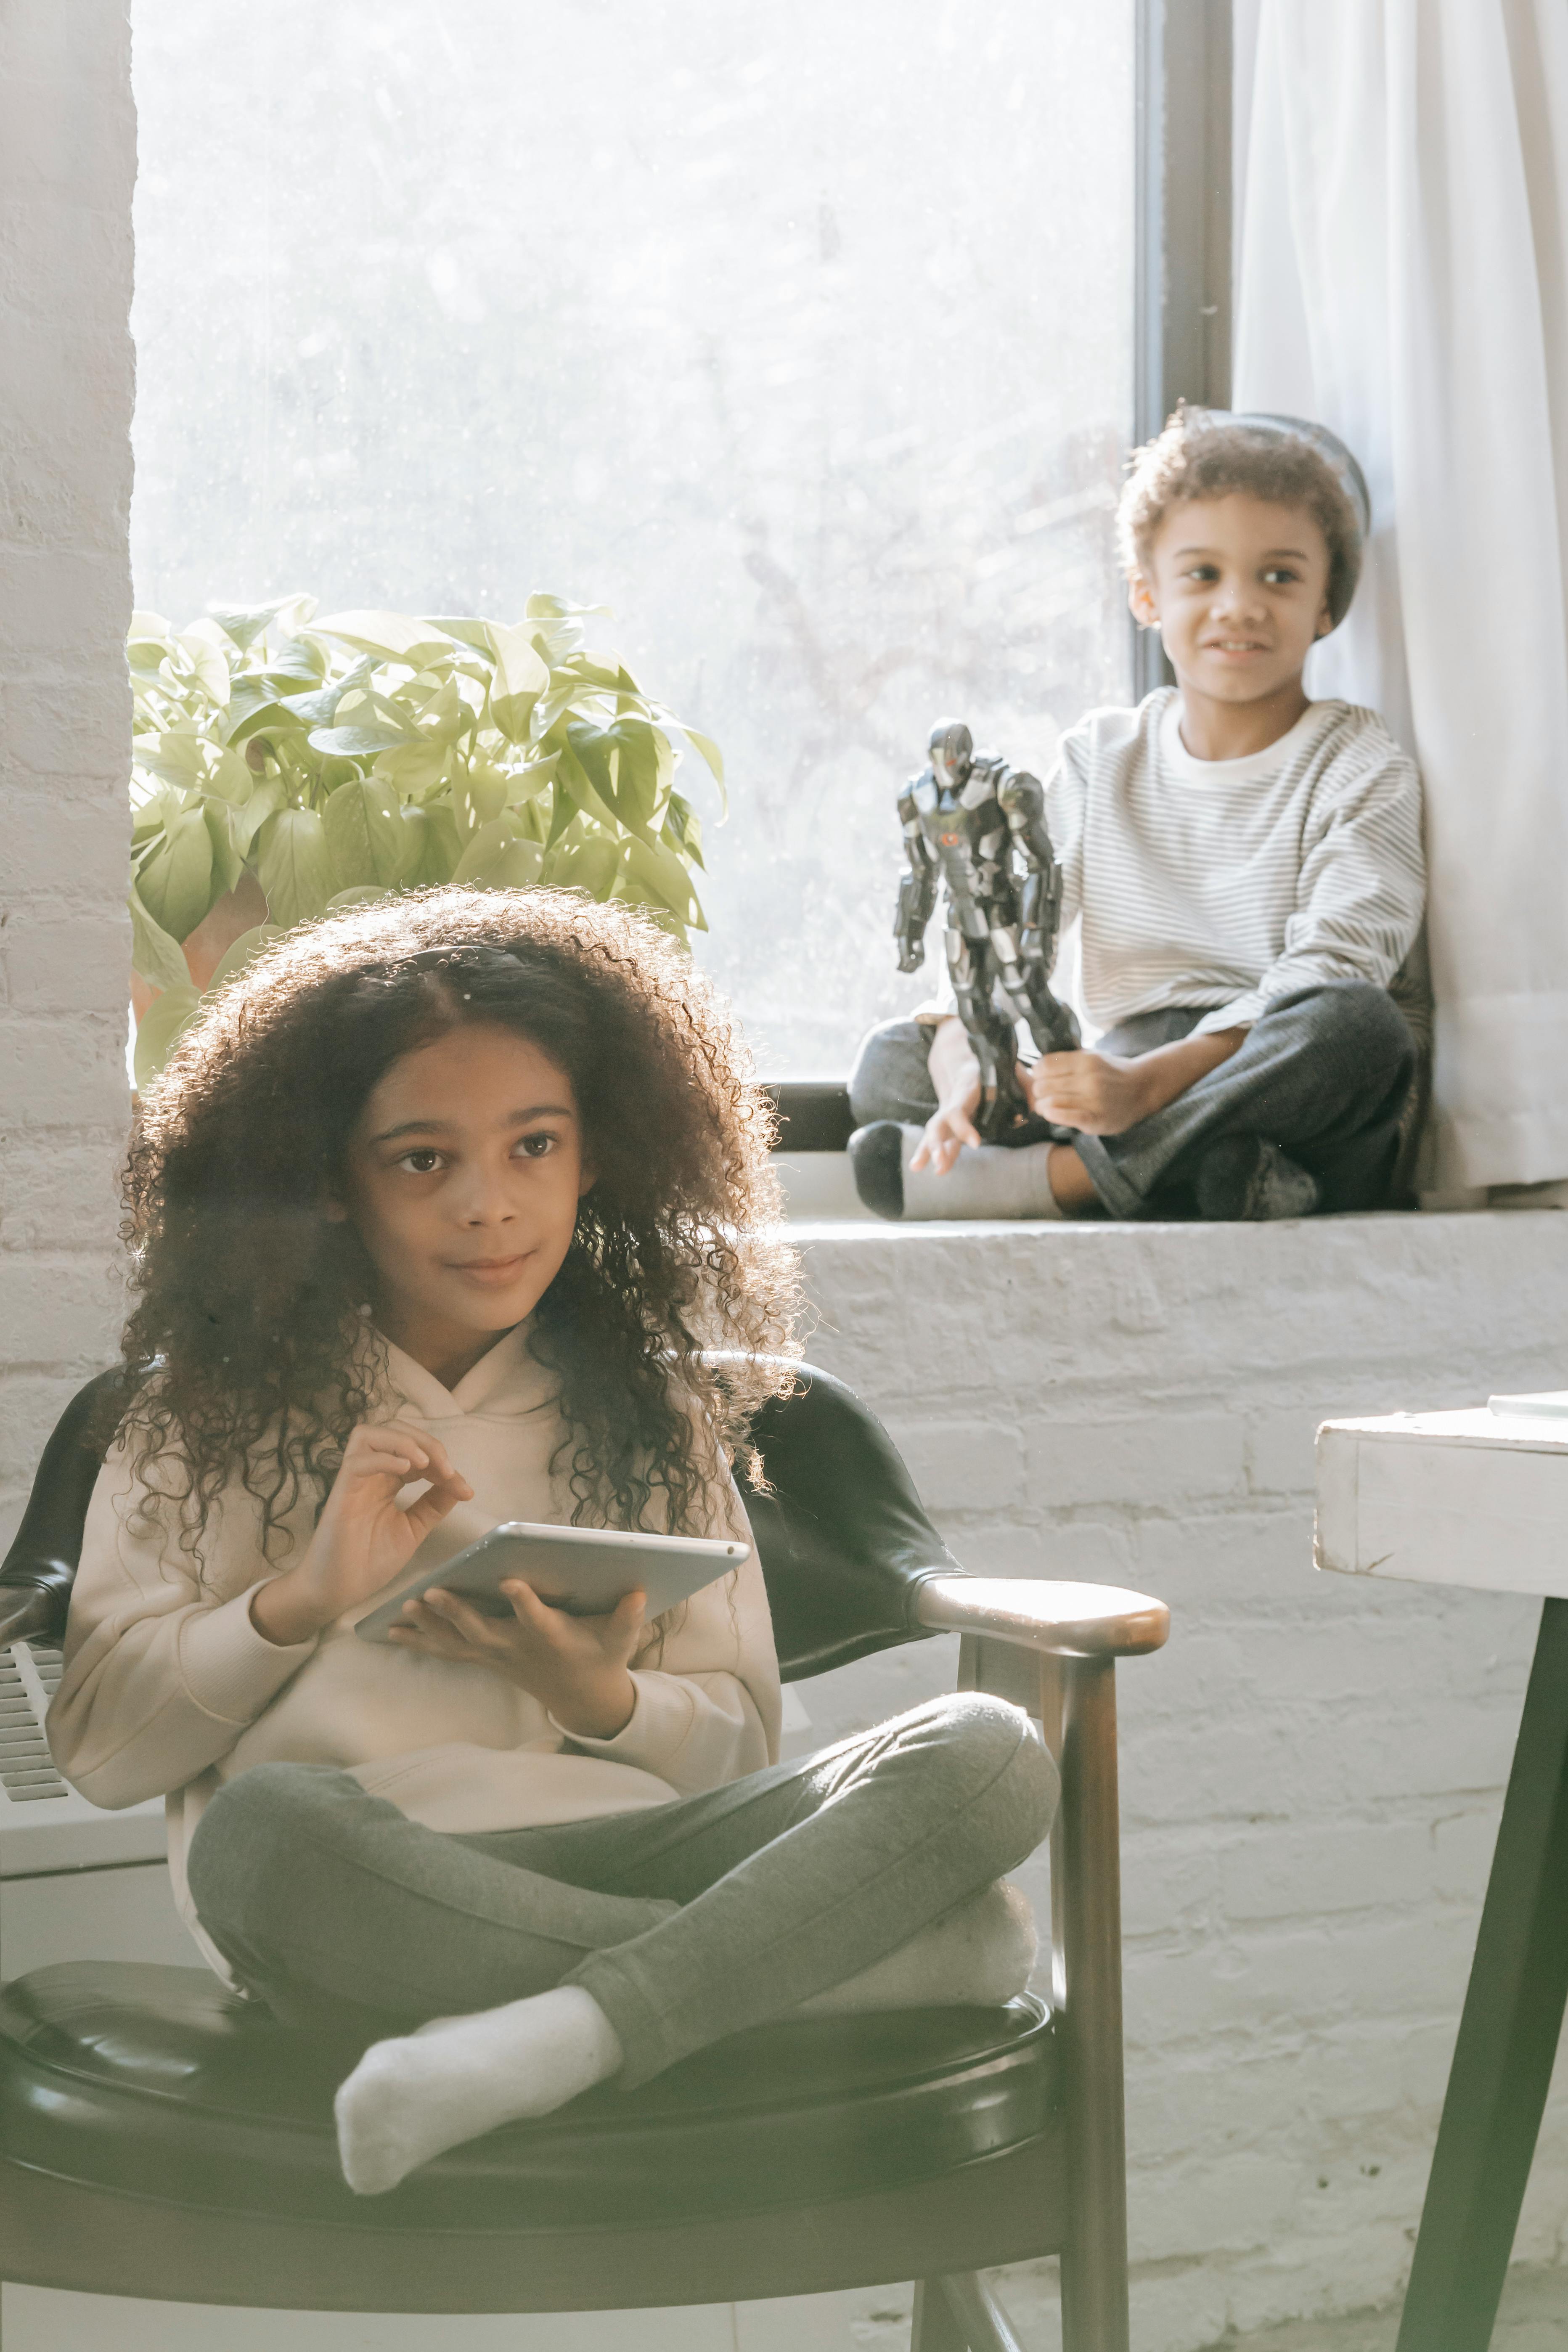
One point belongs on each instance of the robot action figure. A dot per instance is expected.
(962, 819)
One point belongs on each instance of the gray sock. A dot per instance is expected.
(990, 1181)
(1247, 1181)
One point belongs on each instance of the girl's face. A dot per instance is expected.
(464, 1172)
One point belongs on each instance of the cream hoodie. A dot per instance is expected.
(168, 1688)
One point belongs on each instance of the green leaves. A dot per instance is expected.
(389, 636)
(159, 1028)
(623, 763)
(364, 831)
(154, 954)
(710, 752)
(227, 864)
(518, 680)
(338, 759)
(295, 867)
(249, 944)
(499, 858)
(437, 846)
(357, 742)
(175, 883)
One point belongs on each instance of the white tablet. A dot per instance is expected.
(583, 1570)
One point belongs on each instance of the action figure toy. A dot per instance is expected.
(966, 819)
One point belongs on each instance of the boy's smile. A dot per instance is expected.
(1239, 590)
(463, 1180)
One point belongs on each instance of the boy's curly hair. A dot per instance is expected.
(1201, 454)
(246, 1350)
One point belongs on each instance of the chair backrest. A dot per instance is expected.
(844, 1543)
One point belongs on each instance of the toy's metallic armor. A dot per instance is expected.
(964, 818)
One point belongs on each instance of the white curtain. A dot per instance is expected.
(1404, 278)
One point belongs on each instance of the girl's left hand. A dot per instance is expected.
(575, 1666)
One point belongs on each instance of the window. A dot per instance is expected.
(801, 338)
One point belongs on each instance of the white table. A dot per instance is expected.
(1480, 1498)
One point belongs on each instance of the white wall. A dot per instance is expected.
(67, 166)
(1313, 1771)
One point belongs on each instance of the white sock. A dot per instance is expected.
(987, 1180)
(409, 2100)
(977, 1955)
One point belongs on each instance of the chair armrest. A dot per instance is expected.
(30, 1613)
(1063, 1621)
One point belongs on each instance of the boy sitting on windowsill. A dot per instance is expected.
(1245, 867)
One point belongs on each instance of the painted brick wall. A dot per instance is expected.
(66, 169)
(1313, 1771)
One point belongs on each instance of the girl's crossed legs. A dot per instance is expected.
(684, 1922)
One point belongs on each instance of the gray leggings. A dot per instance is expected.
(1326, 1074)
(686, 1922)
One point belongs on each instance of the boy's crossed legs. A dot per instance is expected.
(1324, 1074)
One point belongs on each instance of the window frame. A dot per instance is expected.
(1183, 236)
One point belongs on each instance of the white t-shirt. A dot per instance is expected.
(1227, 882)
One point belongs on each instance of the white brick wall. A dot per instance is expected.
(1311, 1773)
(66, 167)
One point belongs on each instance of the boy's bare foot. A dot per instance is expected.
(1071, 1181)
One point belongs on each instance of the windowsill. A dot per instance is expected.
(819, 1192)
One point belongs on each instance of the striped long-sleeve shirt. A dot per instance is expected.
(1228, 883)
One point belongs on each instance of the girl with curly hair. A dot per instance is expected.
(439, 1213)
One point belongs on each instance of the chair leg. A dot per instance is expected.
(959, 2313)
(1507, 2032)
(1086, 1859)
(983, 2324)
(934, 2328)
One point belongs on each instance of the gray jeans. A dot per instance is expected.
(686, 1922)
(1325, 1073)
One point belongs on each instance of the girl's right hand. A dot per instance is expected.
(364, 1537)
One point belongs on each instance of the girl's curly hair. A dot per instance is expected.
(247, 1348)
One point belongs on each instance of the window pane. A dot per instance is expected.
(801, 338)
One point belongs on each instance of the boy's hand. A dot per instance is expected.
(575, 1666)
(955, 1075)
(1105, 1094)
(1099, 1094)
(946, 1133)
(364, 1537)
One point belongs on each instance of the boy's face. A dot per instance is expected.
(1239, 590)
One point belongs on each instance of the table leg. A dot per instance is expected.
(1507, 2032)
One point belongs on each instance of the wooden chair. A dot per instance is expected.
(161, 2139)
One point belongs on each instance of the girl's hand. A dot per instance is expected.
(364, 1537)
(575, 1666)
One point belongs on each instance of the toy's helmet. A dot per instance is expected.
(952, 750)
(1342, 465)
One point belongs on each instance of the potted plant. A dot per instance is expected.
(284, 764)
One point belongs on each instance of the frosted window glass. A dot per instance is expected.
(799, 336)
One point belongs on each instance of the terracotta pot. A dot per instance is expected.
(237, 911)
